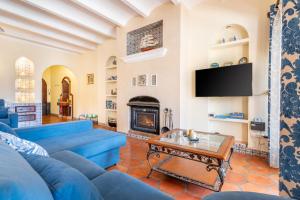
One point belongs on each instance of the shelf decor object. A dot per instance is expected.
(24, 83)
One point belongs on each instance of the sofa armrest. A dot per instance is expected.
(13, 120)
(54, 130)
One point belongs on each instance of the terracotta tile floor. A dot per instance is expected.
(249, 174)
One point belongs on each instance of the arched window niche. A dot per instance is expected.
(24, 83)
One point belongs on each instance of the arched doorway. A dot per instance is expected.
(59, 87)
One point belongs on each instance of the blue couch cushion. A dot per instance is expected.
(86, 167)
(87, 144)
(17, 178)
(3, 112)
(115, 185)
(7, 129)
(65, 182)
(242, 196)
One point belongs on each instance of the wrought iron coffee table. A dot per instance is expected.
(204, 162)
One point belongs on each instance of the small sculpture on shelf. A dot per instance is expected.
(114, 61)
(112, 78)
(113, 92)
(243, 60)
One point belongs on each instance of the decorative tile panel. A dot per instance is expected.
(134, 37)
(30, 114)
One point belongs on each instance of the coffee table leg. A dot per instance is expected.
(229, 159)
(149, 154)
(219, 168)
(221, 175)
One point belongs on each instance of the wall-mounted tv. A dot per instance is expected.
(235, 80)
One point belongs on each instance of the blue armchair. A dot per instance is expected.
(6, 117)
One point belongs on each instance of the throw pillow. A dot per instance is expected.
(23, 146)
(7, 129)
(65, 182)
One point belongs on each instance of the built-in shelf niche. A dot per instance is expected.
(230, 45)
(111, 68)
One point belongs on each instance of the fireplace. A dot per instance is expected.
(144, 114)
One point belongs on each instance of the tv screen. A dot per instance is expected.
(233, 80)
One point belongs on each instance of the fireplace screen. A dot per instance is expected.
(146, 120)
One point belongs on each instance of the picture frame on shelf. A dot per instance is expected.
(142, 80)
(90, 79)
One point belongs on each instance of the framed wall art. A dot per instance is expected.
(142, 80)
(90, 79)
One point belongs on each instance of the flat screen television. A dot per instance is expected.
(233, 80)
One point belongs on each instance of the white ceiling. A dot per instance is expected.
(72, 25)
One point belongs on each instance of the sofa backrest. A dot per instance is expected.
(2, 103)
(18, 180)
(53, 130)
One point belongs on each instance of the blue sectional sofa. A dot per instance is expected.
(97, 145)
(11, 119)
(75, 168)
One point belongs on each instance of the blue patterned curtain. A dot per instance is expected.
(274, 85)
(290, 101)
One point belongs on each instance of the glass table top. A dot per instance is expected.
(207, 141)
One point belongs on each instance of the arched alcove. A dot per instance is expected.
(24, 83)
